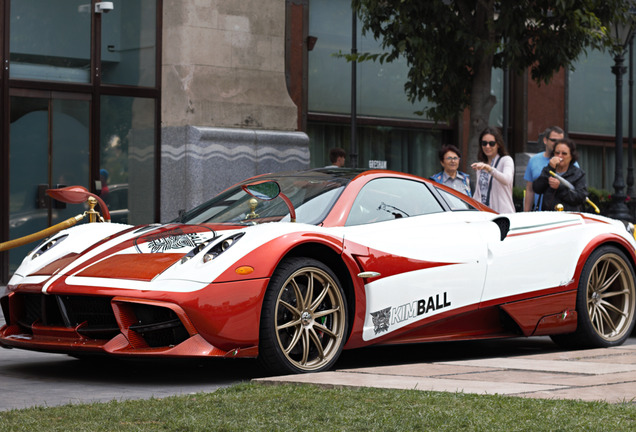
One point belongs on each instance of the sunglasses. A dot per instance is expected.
(488, 143)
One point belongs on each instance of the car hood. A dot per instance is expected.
(112, 251)
(149, 257)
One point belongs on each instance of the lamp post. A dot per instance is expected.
(353, 157)
(621, 34)
(630, 116)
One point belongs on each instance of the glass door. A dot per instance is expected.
(49, 148)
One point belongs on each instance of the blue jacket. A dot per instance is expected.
(465, 178)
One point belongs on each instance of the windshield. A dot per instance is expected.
(312, 197)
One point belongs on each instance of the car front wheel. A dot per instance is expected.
(304, 318)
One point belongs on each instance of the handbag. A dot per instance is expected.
(490, 183)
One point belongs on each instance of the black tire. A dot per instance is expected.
(302, 329)
(605, 301)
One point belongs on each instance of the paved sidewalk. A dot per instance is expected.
(589, 375)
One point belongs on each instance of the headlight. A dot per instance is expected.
(221, 247)
(46, 245)
(198, 248)
(215, 250)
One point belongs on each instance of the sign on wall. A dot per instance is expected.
(377, 164)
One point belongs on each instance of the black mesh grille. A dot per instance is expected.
(32, 309)
(94, 318)
(94, 313)
(95, 310)
(40, 309)
(158, 326)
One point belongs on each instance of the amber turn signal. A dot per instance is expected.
(244, 270)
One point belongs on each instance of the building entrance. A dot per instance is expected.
(80, 106)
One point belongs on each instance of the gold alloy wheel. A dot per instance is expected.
(310, 319)
(610, 297)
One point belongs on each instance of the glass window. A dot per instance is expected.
(390, 198)
(595, 161)
(399, 149)
(496, 89)
(380, 86)
(330, 23)
(312, 198)
(128, 158)
(48, 149)
(592, 110)
(50, 40)
(129, 43)
(592, 95)
(453, 202)
(29, 167)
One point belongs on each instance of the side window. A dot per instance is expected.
(453, 202)
(391, 198)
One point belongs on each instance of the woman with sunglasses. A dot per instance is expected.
(572, 196)
(495, 172)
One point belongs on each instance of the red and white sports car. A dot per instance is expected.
(294, 267)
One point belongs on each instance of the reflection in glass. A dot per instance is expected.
(28, 167)
(403, 149)
(127, 157)
(129, 43)
(49, 141)
(592, 95)
(69, 152)
(380, 86)
(50, 40)
(380, 89)
(264, 191)
(387, 199)
(312, 196)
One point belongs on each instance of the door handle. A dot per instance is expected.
(42, 200)
(59, 204)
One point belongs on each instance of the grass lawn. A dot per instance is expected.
(262, 407)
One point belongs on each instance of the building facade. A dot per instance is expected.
(155, 105)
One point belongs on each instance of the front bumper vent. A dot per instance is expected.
(94, 317)
(158, 326)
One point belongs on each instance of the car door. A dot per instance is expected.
(420, 260)
(540, 253)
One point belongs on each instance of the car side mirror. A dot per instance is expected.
(267, 190)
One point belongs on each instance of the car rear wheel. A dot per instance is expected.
(606, 301)
(304, 318)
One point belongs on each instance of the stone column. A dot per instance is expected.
(226, 110)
